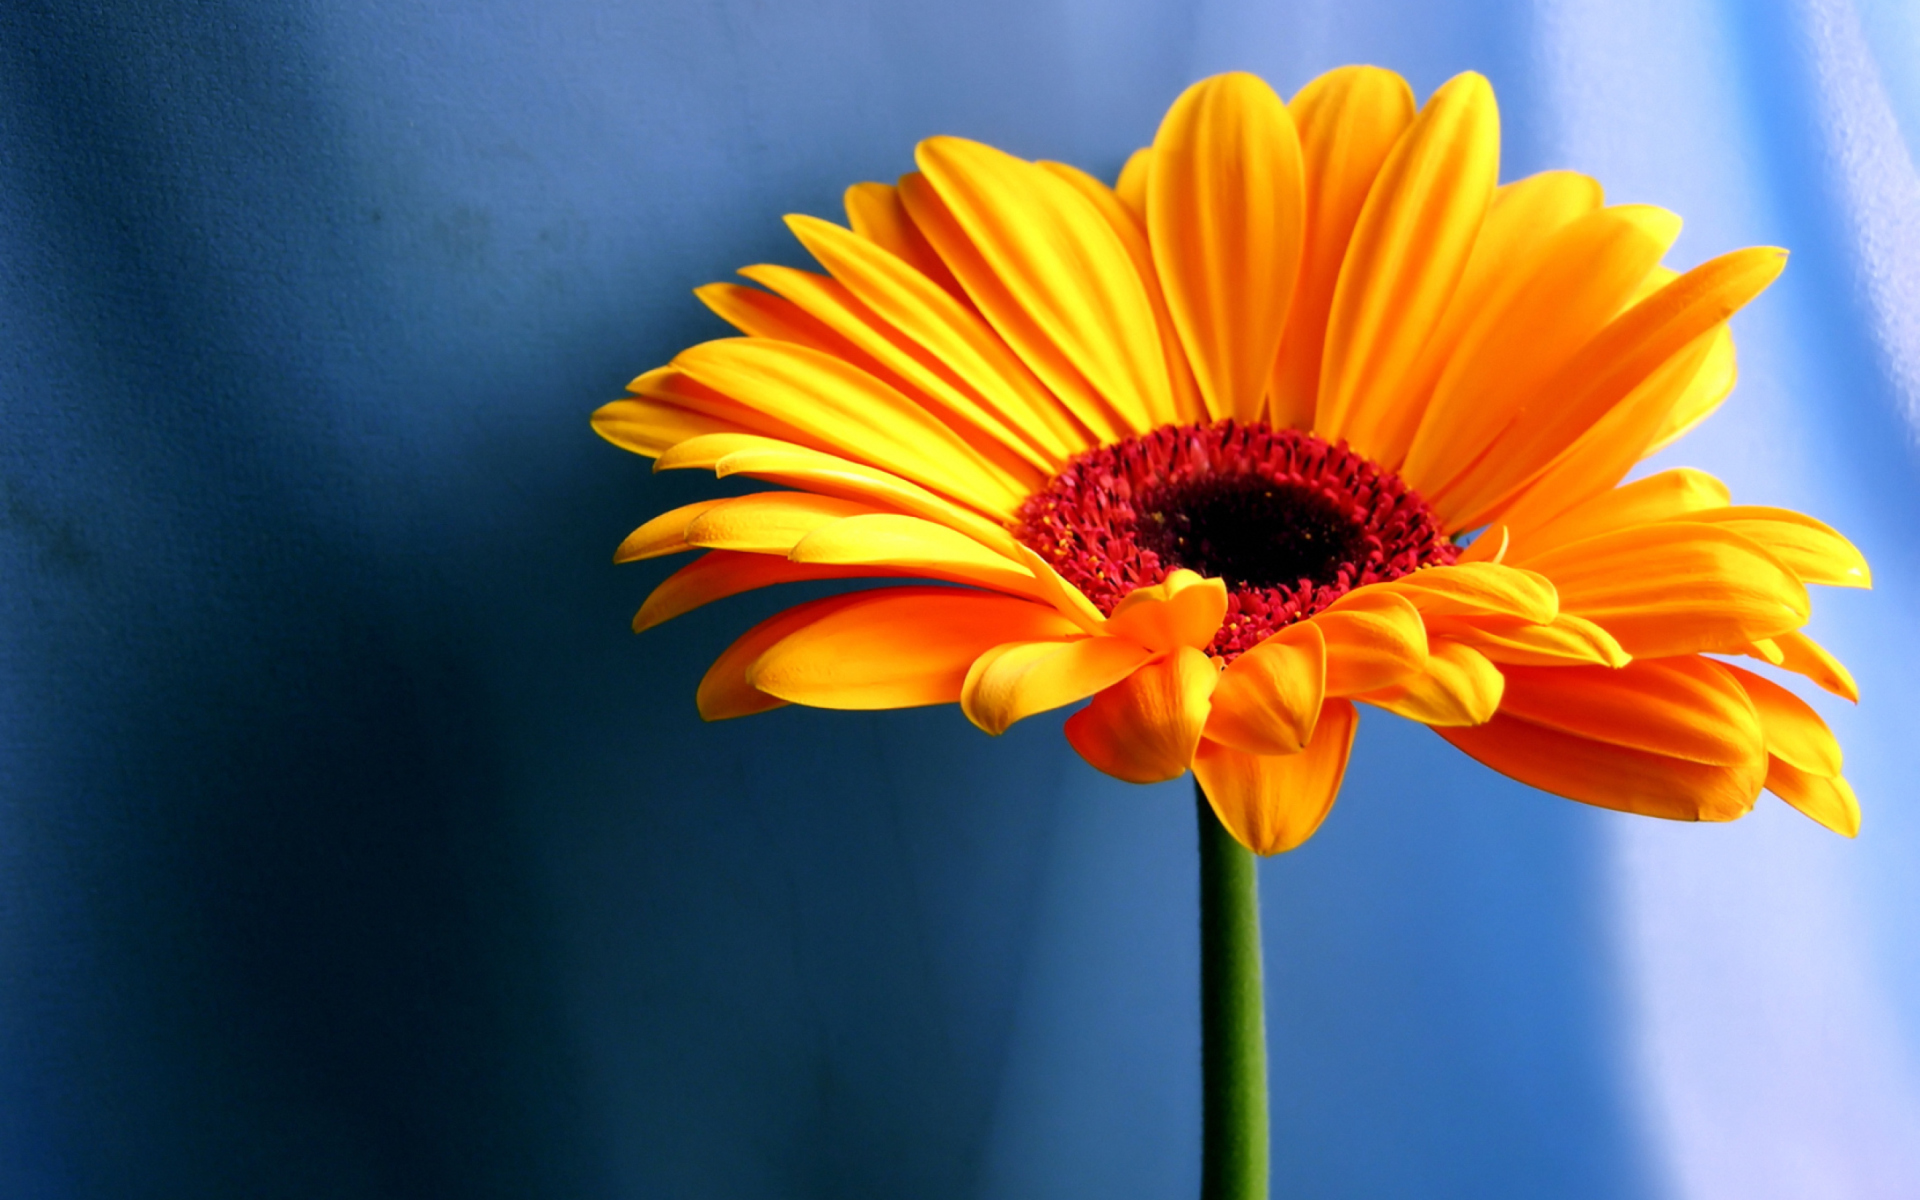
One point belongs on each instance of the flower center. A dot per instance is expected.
(1290, 521)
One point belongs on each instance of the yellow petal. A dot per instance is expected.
(950, 333)
(1608, 775)
(848, 411)
(1181, 610)
(1132, 232)
(1067, 599)
(1567, 641)
(1269, 698)
(1811, 549)
(1132, 185)
(1795, 733)
(1407, 253)
(1477, 589)
(1273, 803)
(1766, 650)
(766, 522)
(1804, 656)
(718, 574)
(898, 647)
(1661, 497)
(1551, 306)
(1604, 372)
(1012, 682)
(890, 356)
(912, 544)
(875, 212)
(1059, 260)
(1144, 729)
(1687, 707)
(724, 690)
(1374, 638)
(1676, 587)
(1348, 120)
(665, 534)
(1225, 217)
(1458, 686)
(1831, 802)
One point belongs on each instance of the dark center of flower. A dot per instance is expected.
(1290, 521)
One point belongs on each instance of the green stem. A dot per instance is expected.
(1233, 1024)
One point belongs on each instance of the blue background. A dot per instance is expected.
(351, 846)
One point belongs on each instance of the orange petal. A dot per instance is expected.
(1273, 803)
(725, 692)
(951, 335)
(1553, 304)
(1059, 260)
(1132, 185)
(718, 574)
(1132, 232)
(1349, 120)
(1676, 588)
(764, 315)
(845, 410)
(911, 544)
(1457, 686)
(1012, 682)
(1602, 456)
(1686, 707)
(896, 360)
(665, 534)
(766, 522)
(1225, 217)
(876, 214)
(1661, 497)
(1477, 589)
(1567, 641)
(1828, 801)
(898, 647)
(1609, 775)
(1804, 656)
(1605, 371)
(1181, 610)
(1813, 550)
(1795, 733)
(1408, 251)
(1269, 698)
(1144, 729)
(1374, 639)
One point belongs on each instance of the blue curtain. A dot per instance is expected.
(351, 846)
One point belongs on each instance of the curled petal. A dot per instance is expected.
(767, 522)
(1272, 803)
(718, 574)
(1012, 682)
(725, 691)
(898, 647)
(1478, 589)
(1566, 641)
(1181, 610)
(1375, 639)
(1458, 686)
(1144, 728)
(665, 534)
(909, 543)
(1269, 698)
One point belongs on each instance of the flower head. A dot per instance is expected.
(1206, 448)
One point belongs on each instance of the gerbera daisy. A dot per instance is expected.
(1306, 411)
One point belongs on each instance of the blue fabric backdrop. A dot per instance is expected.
(351, 846)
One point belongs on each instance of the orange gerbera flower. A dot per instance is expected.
(1204, 448)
